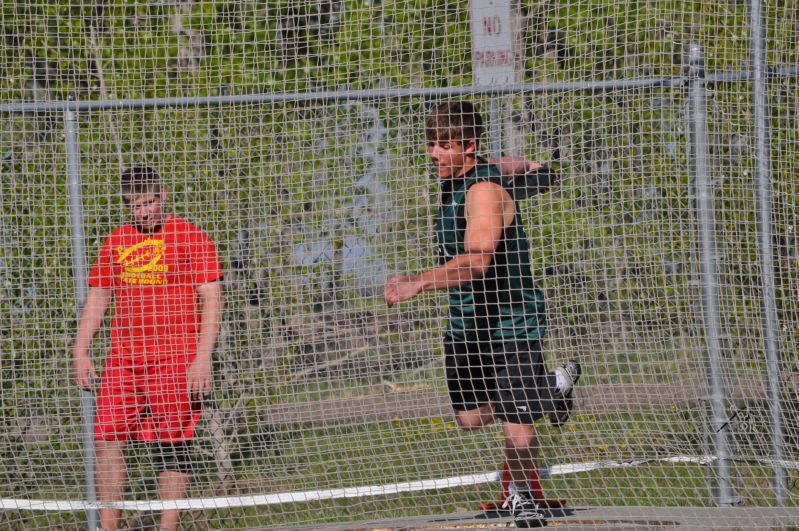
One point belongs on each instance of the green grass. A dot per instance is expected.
(432, 448)
(408, 450)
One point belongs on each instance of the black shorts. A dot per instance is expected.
(511, 375)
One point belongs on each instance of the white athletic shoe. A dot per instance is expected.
(570, 372)
(525, 510)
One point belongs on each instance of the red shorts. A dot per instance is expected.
(146, 401)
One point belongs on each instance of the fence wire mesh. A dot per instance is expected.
(327, 406)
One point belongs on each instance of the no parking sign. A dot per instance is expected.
(493, 57)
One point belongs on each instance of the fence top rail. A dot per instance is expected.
(336, 95)
(378, 94)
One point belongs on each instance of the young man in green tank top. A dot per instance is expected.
(494, 365)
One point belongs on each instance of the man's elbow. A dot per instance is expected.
(480, 263)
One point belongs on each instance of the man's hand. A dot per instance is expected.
(401, 288)
(199, 379)
(83, 373)
(526, 178)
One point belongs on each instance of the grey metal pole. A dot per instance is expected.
(81, 289)
(763, 186)
(495, 129)
(697, 116)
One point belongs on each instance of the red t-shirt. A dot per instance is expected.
(154, 277)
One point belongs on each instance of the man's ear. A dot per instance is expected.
(470, 146)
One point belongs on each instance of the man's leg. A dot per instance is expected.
(521, 374)
(520, 451)
(111, 477)
(172, 485)
(520, 457)
(475, 418)
(470, 384)
(559, 415)
(173, 463)
(174, 416)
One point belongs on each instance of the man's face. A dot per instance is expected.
(146, 210)
(452, 158)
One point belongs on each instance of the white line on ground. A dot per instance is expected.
(226, 502)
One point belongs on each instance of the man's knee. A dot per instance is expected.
(475, 418)
(468, 422)
(520, 443)
(172, 457)
(520, 437)
(109, 451)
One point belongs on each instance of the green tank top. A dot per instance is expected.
(505, 303)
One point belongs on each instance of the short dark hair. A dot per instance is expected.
(454, 120)
(138, 180)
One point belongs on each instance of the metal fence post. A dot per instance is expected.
(697, 118)
(81, 289)
(765, 246)
(495, 128)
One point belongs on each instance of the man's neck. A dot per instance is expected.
(469, 166)
(154, 229)
(149, 231)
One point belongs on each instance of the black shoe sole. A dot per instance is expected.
(531, 523)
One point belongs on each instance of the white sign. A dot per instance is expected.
(493, 58)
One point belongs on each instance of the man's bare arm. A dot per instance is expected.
(200, 371)
(489, 209)
(510, 166)
(97, 302)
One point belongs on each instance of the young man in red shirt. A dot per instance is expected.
(164, 277)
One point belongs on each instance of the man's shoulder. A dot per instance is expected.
(483, 172)
(121, 231)
(484, 175)
(185, 233)
(178, 225)
(484, 168)
(178, 221)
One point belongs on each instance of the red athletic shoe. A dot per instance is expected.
(535, 484)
